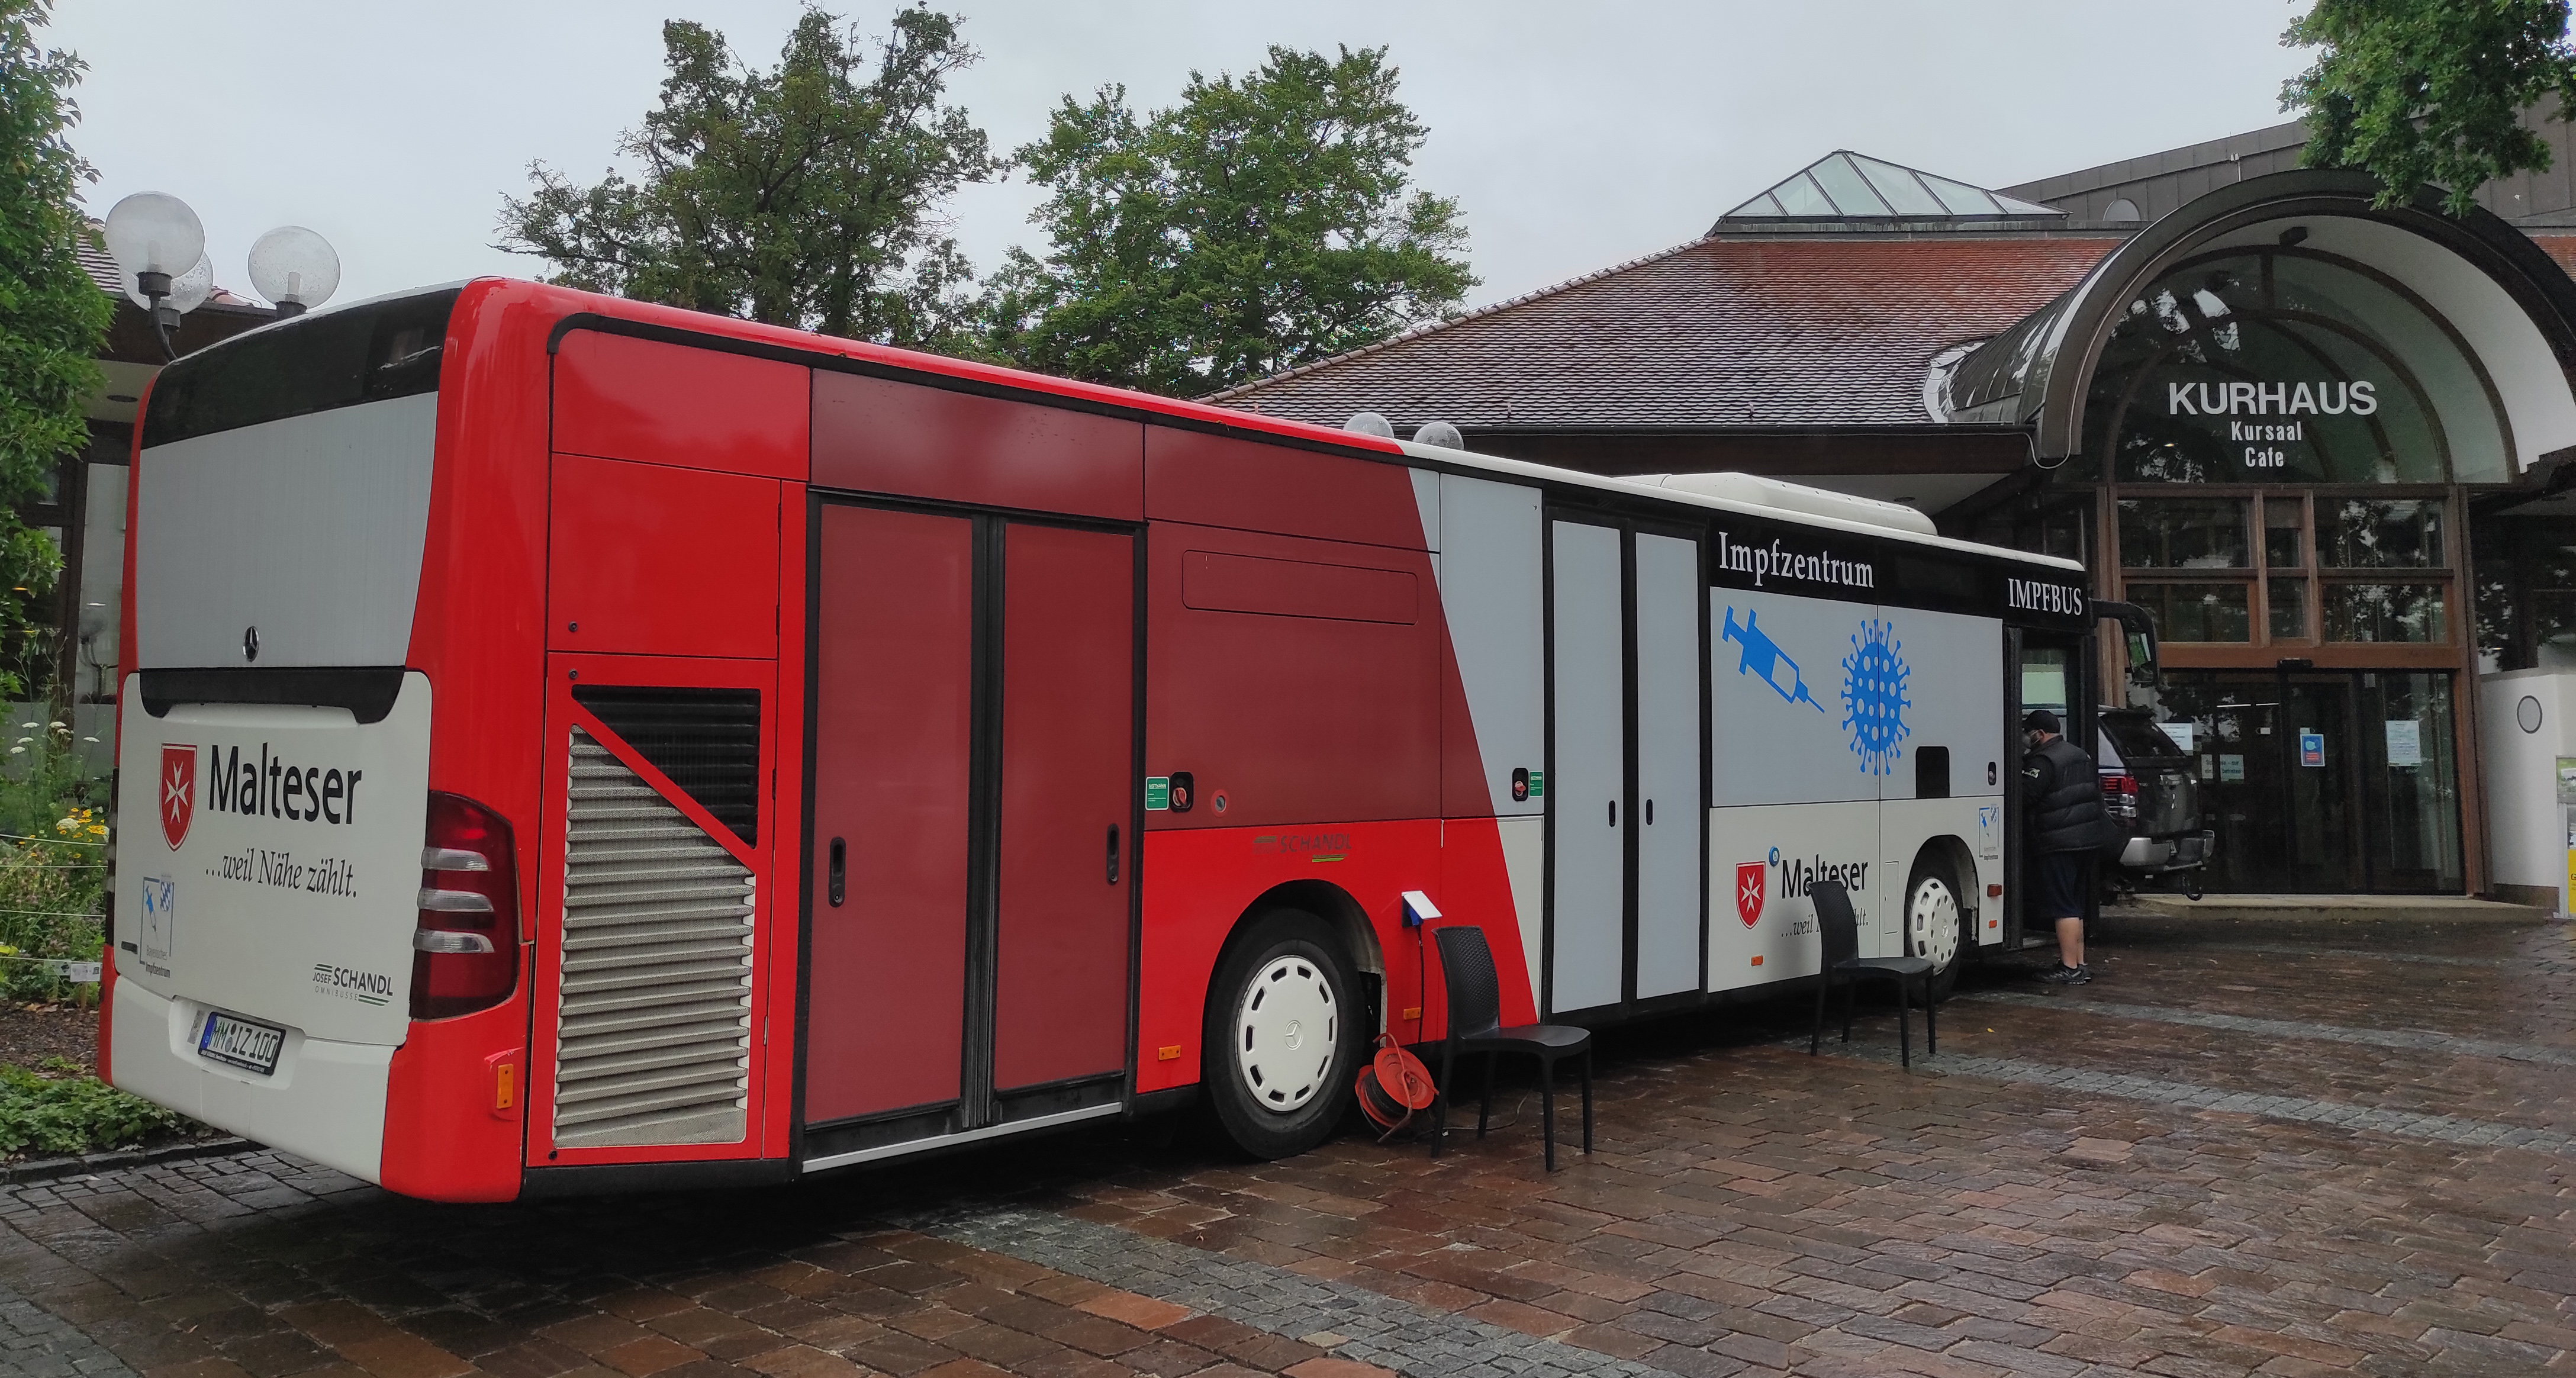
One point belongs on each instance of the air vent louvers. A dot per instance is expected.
(655, 1001)
(706, 740)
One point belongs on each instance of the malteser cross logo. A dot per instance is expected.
(178, 793)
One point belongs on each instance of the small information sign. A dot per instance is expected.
(2405, 742)
(2312, 748)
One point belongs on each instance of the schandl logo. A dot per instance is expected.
(178, 793)
(365, 987)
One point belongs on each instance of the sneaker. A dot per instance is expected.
(2067, 976)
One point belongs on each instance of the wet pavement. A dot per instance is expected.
(2255, 1148)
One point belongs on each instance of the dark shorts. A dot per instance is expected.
(2056, 888)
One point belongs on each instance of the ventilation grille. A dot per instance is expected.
(655, 1043)
(706, 740)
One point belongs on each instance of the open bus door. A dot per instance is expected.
(2056, 671)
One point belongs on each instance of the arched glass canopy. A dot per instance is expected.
(2279, 365)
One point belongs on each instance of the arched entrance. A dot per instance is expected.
(2284, 422)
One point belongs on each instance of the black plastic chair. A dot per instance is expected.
(1845, 966)
(1475, 1019)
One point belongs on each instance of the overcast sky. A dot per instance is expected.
(1576, 135)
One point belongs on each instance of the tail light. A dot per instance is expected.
(2120, 795)
(466, 950)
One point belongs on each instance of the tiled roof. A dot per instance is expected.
(1832, 330)
(102, 269)
(2561, 247)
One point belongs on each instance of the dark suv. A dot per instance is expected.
(2149, 787)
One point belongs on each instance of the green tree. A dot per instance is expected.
(807, 195)
(2418, 91)
(1258, 225)
(52, 317)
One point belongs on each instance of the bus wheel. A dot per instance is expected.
(1934, 927)
(1282, 1036)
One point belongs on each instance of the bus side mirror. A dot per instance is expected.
(2138, 637)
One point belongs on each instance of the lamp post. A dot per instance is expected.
(160, 247)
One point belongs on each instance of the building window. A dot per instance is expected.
(2183, 533)
(2205, 536)
(2325, 567)
(2196, 612)
(2378, 533)
(2290, 366)
(2386, 612)
(2526, 591)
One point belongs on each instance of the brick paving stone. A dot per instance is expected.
(2258, 1150)
(40, 1344)
(2423, 1039)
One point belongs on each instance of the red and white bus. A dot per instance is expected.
(574, 745)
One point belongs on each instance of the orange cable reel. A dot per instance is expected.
(1393, 1088)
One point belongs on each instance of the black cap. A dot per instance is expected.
(2039, 720)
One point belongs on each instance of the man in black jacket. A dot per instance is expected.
(2063, 793)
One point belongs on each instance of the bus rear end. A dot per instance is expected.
(291, 894)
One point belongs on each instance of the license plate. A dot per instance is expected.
(241, 1043)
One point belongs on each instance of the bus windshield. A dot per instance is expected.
(365, 353)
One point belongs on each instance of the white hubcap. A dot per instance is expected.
(1285, 1030)
(1932, 922)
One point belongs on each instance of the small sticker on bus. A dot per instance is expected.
(1158, 793)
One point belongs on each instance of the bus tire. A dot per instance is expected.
(1282, 986)
(1936, 923)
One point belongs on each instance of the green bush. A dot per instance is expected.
(72, 1113)
(53, 865)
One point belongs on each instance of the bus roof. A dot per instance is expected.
(1747, 494)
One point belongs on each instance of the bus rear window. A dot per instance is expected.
(332, 359)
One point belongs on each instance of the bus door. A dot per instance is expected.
(972, 826)
(1626, 807)
(2055, 671)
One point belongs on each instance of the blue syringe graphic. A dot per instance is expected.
(1763, 656)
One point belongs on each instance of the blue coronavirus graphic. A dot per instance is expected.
(1874, 701)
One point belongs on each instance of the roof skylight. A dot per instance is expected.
(1844, 185)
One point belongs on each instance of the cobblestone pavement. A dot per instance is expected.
(2252, 1151)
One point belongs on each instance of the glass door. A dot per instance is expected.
(2238, 736)
(2325, 782)
(2411, 774)
(2320, 742)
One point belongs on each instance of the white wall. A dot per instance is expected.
(2526, 826)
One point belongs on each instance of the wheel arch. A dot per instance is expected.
(1340, 913)
(1950, 853)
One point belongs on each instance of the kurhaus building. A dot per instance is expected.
(2330, 447)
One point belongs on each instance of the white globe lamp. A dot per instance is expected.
(154, 237)
(294, 268)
